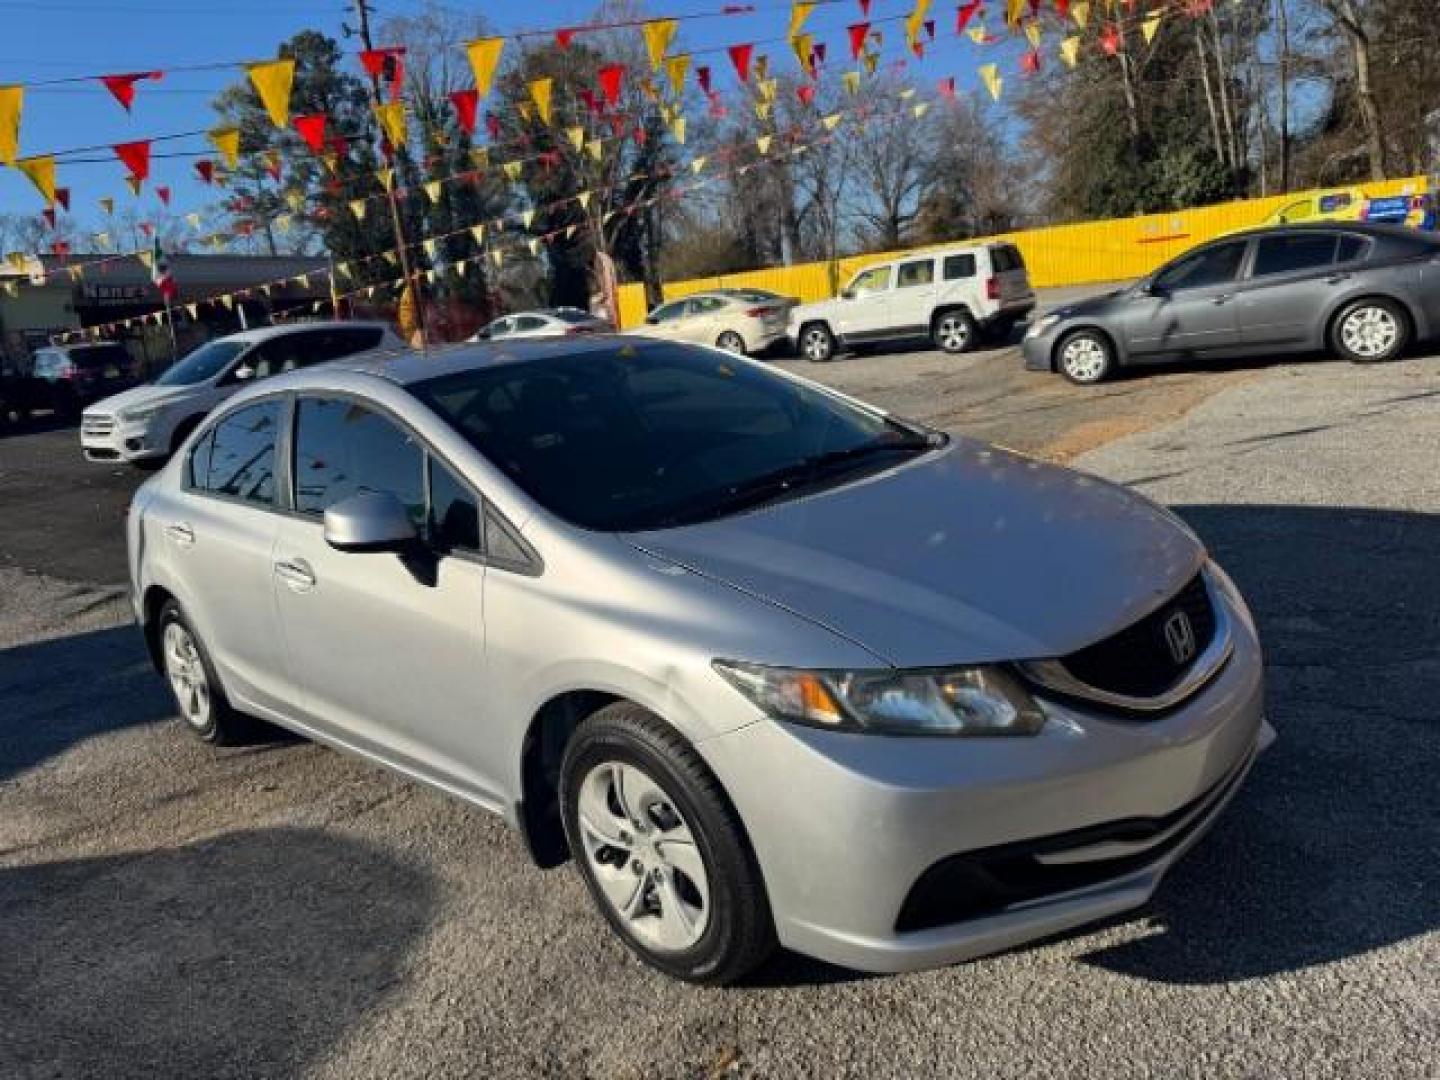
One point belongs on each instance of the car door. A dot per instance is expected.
(667, 320)
(864, 309)
(218, 536)
(1189, 306)
(1292, 278)
(914, 298)
(706, 318)
(388, 651)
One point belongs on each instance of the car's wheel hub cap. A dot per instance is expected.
(187, 676)
(731, 343)
(954, 334)
(1370, 331)
(817, 345)
(643, 857)
(1084, 359)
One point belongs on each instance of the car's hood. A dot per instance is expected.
(141, 397)
(967, 555)
(1093, 305)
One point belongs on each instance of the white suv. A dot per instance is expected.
(149, 422)
(948, 296)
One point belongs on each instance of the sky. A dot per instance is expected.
(51, 39)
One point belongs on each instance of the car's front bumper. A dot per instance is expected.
(847, 827)
(1038, 346)
(108, 439)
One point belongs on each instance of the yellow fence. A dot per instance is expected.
(1090, 251)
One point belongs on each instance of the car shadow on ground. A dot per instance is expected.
(1328, 850)
(38, 423)
(196, 961)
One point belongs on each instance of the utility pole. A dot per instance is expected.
(362, 13)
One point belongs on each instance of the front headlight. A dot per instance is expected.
(1040, 325)
(137, 416)
(956, 701)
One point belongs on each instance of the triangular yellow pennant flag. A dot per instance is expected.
(698, 164)
(907, 93)
(76, 272)
(769, 88)
(295, 200)
(390, 257)
(799, 12)
(357, 207)
(41, 172)
(676, 68)
(12, 104)
(343, 269)
(430, 246)
(484, 56)
(1070, 50)
(273, 80)
(762, 110)
(978, 34)
(596, 149)
(851, 79)
(512, 171)
(570, 231)
(871, 61)
(392, 122)
(478, 233)
(463, 267)
(283, 223)
(576, 135)
(921, 109)
(430, 276)
(1150, 26)
(332, 163)
(802, 45)
(763, 144)
(107, 204)
(229, 301)
(916, 19)
(497, 257)
(1013, 10)
(227, 142)
(134, 183)
(432, 191)
(534, 246)
(1032, 32)
(658, 35)
(527, 218)
(584, 200)
(990, 75)
(1080, 12)
(386, 177)
(677, 129)
(193, 310)
(831, 122)
(480, 157)
(540, 90)
(103, 239)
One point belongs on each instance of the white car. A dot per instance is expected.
(949, 296)
(733, 320)
(546, 322)
(149, 422)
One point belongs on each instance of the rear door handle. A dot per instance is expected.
(296, 573)
(1336, 279)
(1223, 298)
(181, 533)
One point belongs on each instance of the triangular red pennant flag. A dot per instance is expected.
(639, 136)
(806, 94)
(272, 165)
(947, 88)
(930, 29)
(62, 196)
(163, 194)
(610, 76)
(1030, 62)
(206, 169)
(61, 248)
(123, 86)
(1062, 8)
(466, 102)
(564, 37)
(858, 33)
(49, 215)
(965, 14)
(702, 77)
(865, 8)
(1110, 39)
(817, 56)
(135, 156)
(592, 103)
(312, 130)
(340, 145)
(388, 64)
(918, 48)
(146, 228)
(740, 57)
(492, 125)
(717, 107)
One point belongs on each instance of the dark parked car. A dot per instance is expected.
(66, 378)
(1364, 292)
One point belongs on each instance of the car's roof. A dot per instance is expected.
(406, 368)
(1364, 228)
(265, 333)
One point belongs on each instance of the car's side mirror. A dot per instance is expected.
(847, 294)
(372, 521)
(651, 320)
(484, 335)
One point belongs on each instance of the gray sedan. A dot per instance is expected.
(770, 665)
(1364, 292)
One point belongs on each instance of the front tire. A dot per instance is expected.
(204, 709)
(661, 849)
(817, 344)
(954, 332)
(1370, 331)
(1085, 357)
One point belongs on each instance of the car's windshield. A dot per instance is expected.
(204, 363)
(652, 436)
(572, 315)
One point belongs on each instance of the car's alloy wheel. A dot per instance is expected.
(188, 679)
(732, 342)
(1085, 358)
(816, 344)
(1370, 332)
(954, 332)
(643, 855)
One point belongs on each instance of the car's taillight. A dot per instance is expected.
(992, 288)
(757, 312)
(67, 371)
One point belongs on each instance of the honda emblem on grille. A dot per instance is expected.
(1180, 636)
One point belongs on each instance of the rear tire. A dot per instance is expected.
(954, 331)
(1370, 331)
(731, 342)
(817, 344)
(1085, 357)
(204, 709)
(661, 849)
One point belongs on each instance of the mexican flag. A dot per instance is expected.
(160, 273)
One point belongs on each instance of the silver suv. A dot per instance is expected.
(769, 664)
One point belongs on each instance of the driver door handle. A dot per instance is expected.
(296, 573)
(1336, 279)
(1223, 298)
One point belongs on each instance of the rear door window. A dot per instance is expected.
(920, 272)
(237, 459)
(1352, 248)
(1006, 257)
(1294, 253)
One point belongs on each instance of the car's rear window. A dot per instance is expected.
(1006, 257)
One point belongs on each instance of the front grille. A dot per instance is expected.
(986, 882)
(1139, 661)
(97, 425)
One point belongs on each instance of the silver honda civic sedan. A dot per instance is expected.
(772, 666)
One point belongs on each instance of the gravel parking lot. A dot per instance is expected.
(279, 909)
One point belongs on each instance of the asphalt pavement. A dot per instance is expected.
(282, 910)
